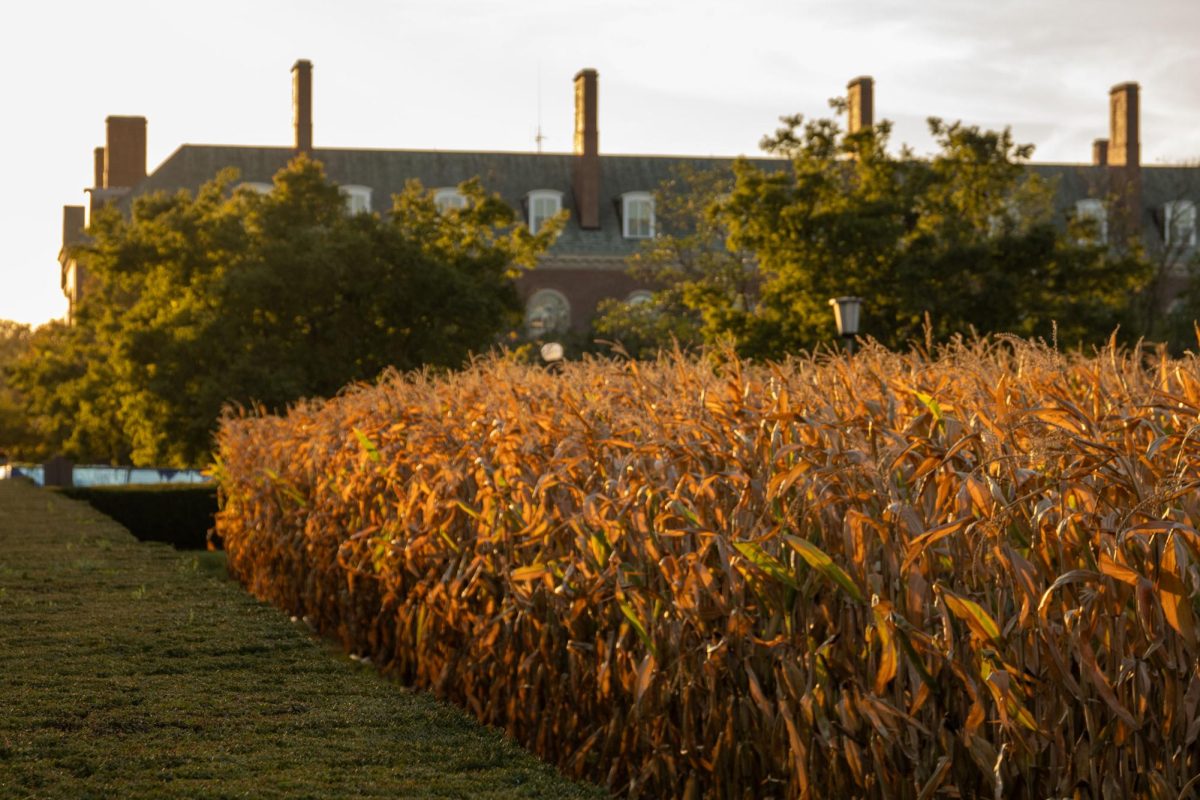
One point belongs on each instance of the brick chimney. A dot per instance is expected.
(1124, 148)
(302, 105)
(586, 181)
(1125, 154)
(1100, 153)
(124, 152)
(860, 103)
(98, 167)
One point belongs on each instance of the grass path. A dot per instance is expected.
(131, 670)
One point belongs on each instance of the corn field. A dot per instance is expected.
(966, 574)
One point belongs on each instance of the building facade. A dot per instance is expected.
(610, 198)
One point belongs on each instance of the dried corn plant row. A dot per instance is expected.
(886, 576)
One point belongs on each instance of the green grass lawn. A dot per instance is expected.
(131, 670)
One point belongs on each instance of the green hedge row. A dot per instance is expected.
(178, 514)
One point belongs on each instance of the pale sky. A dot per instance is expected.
(695, 77)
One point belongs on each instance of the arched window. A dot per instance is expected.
(543, 204)
(639, 297)
(637, 215)
(1093, 212)
(1179, 228)
(446, 199)
(358, 198)
(546, 312)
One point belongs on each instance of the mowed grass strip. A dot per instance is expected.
(133, 670)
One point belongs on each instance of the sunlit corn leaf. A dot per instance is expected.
(1117, 571)
(934, 407)
(979, 621)
(638, 627)
(1072, 576)
(822, 563)
(532, 572)
(367, 445)
(916, 548)
(766, 562)
(1174, 595)
(1000, 684)
(887, 646)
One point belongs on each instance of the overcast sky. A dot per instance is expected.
(683, 76)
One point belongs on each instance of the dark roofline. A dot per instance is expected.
(423, 150)
(558, 154)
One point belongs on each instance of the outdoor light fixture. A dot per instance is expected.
(552, 354)
(845, 314)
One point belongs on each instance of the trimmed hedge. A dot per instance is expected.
(178, 514)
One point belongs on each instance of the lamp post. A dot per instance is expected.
(552, 354)
(845, 313)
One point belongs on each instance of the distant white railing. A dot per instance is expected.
(99, 475)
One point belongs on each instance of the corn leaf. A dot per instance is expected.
(766, 562)
(979, 621)
(822, 563)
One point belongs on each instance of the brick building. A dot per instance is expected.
(610, 197)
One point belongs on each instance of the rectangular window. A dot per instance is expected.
(358, 199)
(542, 208)
(1180, 227)
(639, 217)
(1093, 214)
(448, 200)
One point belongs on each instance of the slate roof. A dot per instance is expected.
(511, 175)
(1161, 184)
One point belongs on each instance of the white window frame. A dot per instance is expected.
(630, 201)
(1173, 211)
(1009, 215)
(639, 297)
(358, 198)
(548, 200)
(256, 186)
(449, 198)
(1095, 210)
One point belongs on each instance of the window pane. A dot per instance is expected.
(1093, 211)
(639, 217)
(449, 199)
(540, 210)
(357, 199)
(1182, 223)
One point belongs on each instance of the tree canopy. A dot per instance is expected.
(966, 239)
(19, 439)
(236, 296)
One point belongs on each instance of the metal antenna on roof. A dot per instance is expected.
(539, 138)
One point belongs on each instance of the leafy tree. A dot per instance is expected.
(20, 439)
(232, 296)
(700, 279)
(966, 239)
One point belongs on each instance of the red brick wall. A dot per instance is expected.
(583, 288)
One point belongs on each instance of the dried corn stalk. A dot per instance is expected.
(889, 576)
